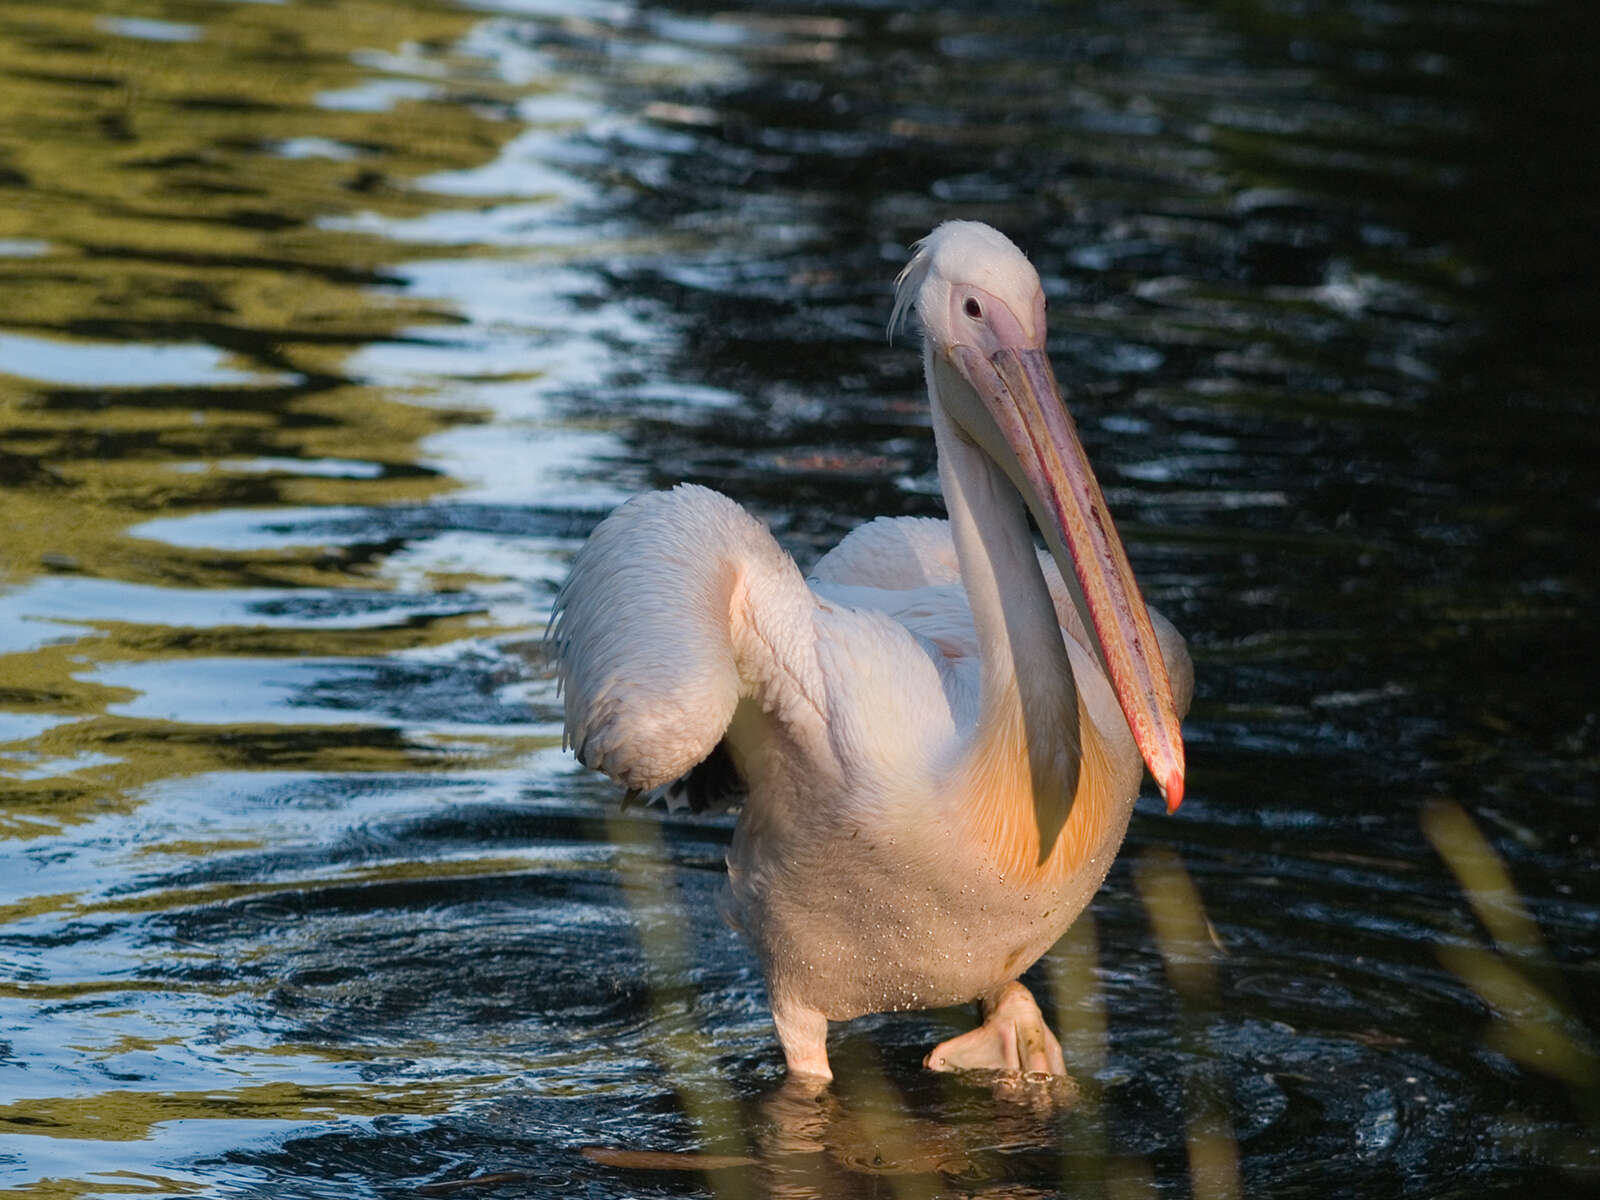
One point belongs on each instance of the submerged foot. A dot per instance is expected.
(1013, 1037)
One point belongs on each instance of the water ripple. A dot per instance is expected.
(342, 326)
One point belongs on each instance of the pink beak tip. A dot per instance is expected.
(1172, 791)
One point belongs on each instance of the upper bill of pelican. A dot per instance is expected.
(1015, 382)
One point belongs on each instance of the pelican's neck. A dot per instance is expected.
(1025, 752)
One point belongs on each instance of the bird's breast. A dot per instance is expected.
(881, 917)
(861, 898)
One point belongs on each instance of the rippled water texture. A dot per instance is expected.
(332, 328)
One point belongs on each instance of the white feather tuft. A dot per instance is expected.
(909, 282)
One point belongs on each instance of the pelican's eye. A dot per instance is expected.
(973, 309)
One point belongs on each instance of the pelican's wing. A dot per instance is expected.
(656, 641)
(892, 553)
(939, 620)
(910, 558)
(681, 607)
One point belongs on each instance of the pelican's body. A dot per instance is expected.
(937, 732)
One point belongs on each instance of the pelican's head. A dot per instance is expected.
(976, 297)
(982, 313)
(971, 286)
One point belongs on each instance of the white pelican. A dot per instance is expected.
(940, 733)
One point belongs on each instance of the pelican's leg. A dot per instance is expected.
(803, 1034)
(1013, 1037)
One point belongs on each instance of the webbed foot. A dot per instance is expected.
(1013, 1037)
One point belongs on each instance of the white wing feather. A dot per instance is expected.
(892, 553)
(907, 568)
(681, 605)
(643, 632)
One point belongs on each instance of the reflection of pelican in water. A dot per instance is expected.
(811, 1144)
(940, 736)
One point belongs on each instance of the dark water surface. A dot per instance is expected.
(331, 330)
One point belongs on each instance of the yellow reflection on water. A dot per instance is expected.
(190, 312)
(139, 1184)
(125, 1116)
(190, 287)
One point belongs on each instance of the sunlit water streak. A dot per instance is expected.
(343, 325)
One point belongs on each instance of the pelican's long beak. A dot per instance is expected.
(1020, 392)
